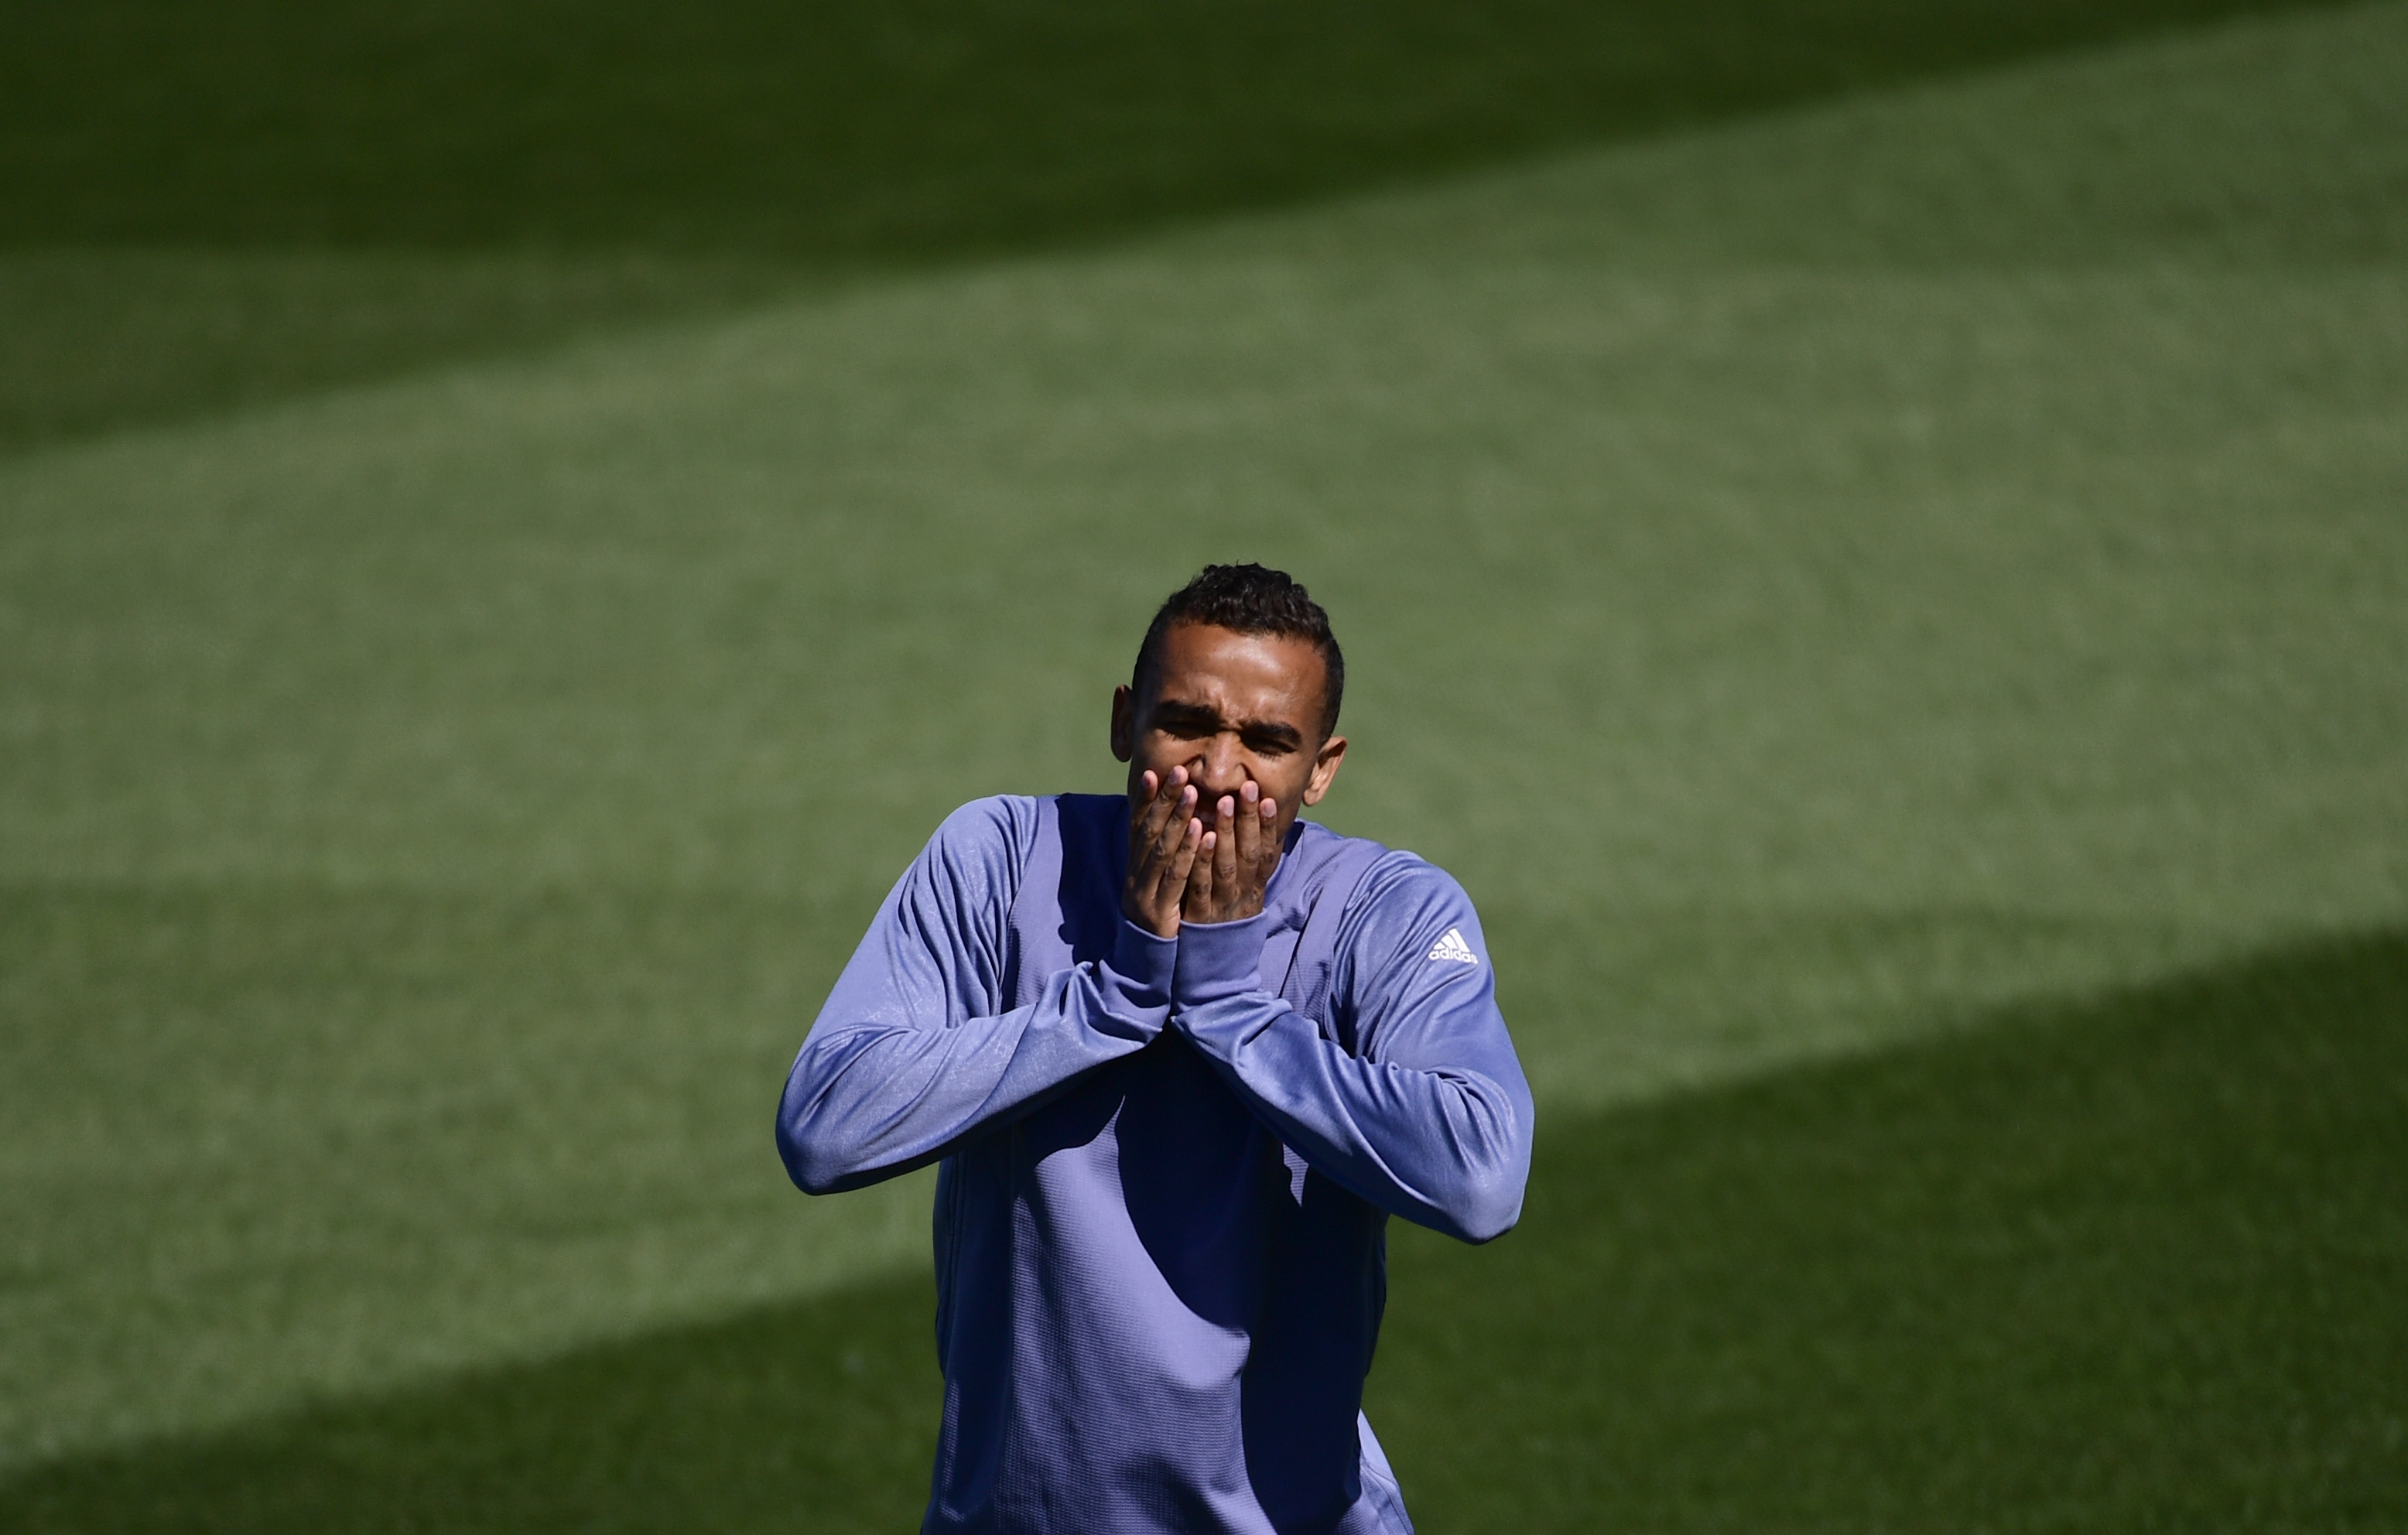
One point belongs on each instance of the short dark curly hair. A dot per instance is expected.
(1248, 599)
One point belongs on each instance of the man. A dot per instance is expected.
(1180, 1054)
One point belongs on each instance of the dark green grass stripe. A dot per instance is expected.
(2139, 1266)
(819, 1417)
(2133, 1266)
(95, 340)
(203, 207)
(848, 133)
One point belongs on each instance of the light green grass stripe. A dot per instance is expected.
(2073, 591)
(1876, 640)
(2129, 1264)
(2266, 143)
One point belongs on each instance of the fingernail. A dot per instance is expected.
(1270, 808)
(1251, 793)
(1228, 807)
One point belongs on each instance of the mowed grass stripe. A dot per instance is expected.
(1682, 639)
(2126, 1265)
(97, 338)
(432, 812)
(311, 1136)
(2130, 1264)
(171, 317)
(928, 127)
(1736, 540)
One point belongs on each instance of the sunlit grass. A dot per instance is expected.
(2128, 1264)
(1817, 580)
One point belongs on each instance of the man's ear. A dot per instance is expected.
(1123, 724)
(1325, 768)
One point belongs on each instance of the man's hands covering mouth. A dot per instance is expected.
(1197, 864)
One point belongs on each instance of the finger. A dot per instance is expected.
(1161, 793)
(1245, 835)
(1141, 814)
(1224, 846)
(1183, 858)
(1145, 818)
(1272, 851)
(1178, 848)
(1147, 898)
(1182, 810)
(1153, 822)
(1250, 824)
(1147, 822)
(1165, 813)
(1199, 898)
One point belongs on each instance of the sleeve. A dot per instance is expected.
(913, 1051)
(1431, 1118)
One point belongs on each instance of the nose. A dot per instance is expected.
(1220, 769)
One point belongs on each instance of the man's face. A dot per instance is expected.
(1231, 707)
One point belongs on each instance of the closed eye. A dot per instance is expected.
(1267, 738)
(1186, 723)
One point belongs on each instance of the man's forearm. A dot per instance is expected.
(876, 1090)
(1442, 1143)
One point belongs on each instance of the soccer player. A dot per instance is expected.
(1179, 1056)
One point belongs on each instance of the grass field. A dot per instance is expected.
(209, 207)
(1894, 600)
(2126, 1265)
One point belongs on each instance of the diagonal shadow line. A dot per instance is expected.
(940, 128)
(497, 194)
(2128, 1261)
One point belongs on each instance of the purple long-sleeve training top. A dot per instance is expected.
(1167, 1165)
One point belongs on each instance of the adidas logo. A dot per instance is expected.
(1452, 947)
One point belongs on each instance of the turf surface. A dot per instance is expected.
(923, 128)
(204, 207)
(2125, 1265)
(1818, 580)
(101, 339)
(2130, 1265)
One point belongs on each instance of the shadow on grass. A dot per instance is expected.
(2132, 1264)
(814, 1418)
(836, 132)
(94, 339)
(208, 207)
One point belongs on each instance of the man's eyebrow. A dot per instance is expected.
(1284, 734)
(1172, 710)
(1186, 713)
